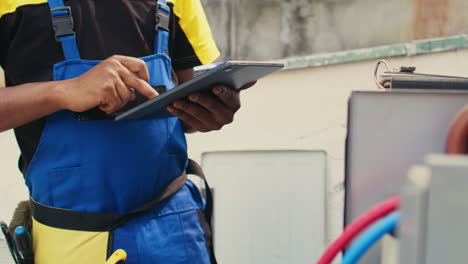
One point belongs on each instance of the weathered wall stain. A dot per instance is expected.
(430, 18)
(274, 29)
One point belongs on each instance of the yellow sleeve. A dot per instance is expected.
(192, 20)
(10, 6)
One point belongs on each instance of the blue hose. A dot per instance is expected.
(370, 237)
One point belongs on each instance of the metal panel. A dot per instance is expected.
(388, 132)
(447, 235)
(269, 206)
(413, 226)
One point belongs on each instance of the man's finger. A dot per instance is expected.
(134, 65)
(189, 120)
(247, 86)
(196, 111)
(219, 110)
(124, 93)
(136, 83)
(112, 102)
(228, 96)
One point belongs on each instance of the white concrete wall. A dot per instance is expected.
(300, 109)
(12, 188)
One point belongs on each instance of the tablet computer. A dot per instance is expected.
(233, 74)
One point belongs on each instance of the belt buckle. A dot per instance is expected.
(62, 21)
(162, 17)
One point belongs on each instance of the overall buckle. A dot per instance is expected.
(62, 21)
(162, 17)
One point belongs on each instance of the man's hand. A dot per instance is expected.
(109, 85)
(208, 111)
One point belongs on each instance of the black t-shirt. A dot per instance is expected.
(28, 49)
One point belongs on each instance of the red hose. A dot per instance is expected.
(357, 226)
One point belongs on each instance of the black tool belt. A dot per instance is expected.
(97, 222)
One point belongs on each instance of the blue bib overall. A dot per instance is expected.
(108, 168)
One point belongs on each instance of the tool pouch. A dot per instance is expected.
(57, 245)
(21, 217)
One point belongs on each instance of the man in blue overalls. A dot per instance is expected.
(97, 185)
